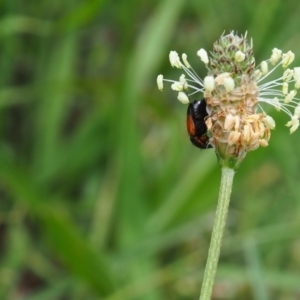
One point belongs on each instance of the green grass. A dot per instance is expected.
(102, 194)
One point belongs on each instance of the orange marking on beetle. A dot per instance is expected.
(190, 125)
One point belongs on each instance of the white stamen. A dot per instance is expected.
(219, 80)
(203, 55)
(257, 74)
(293, 123)
(287, 75)
(269, 122)
(160, 83)
(296, 73)
(276, 104)
(183, 81)
(263, 143)
(264, 67)
(186, 63)
(239, 56)
(297, 83)
(287, 58)
(177, 86)
(290, 96)
(297, 111)
(183, 98)
(209, 83)
(174, 59)
(276, 55)
(285, 88)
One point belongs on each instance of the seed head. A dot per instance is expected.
(234, 89)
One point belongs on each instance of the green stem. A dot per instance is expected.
(217, 233)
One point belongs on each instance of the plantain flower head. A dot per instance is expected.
(234, 90)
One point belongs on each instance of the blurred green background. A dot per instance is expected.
(102, 194)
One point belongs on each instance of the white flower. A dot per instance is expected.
(287, 58)
(209, 83)
(297, 83)
(239, 56)
(203, 55)
(257, 74)
(284, 100)
(297, 111)
(225, 84)
(184, 58)
(296, 73)
(287, 75)
(174, 59)
(269, 122)
(294, 124)
(263, 143)
(177, 86)
(219, 80)
(183, 98)
(264, 67)
(160, 82)
(290, 96)
(276, 103)
(285, 87)
(276, 55)
(183, 81)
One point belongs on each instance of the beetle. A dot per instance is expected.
(195, 123)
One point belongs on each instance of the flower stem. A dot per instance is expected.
(217, 233)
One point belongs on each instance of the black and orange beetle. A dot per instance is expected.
(195, 123)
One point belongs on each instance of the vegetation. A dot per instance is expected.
(102, 194)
